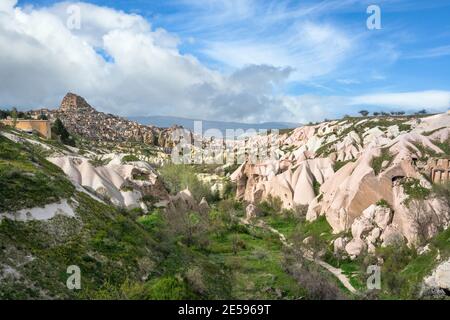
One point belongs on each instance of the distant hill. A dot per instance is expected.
(166, 122)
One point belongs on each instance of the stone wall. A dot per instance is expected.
(439, 170)
(43, 127)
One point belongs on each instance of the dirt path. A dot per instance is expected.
(308, 255)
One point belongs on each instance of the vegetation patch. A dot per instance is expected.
(415, 190)
(27, 179)
(339, 164)
(129, 158)
(179, 177)
(377, 162)
(271, 206)
(99, 161)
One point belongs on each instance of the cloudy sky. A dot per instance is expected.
(230, 60)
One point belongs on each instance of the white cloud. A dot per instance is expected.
(433, 99)
(146, 74)
(7, 5)
(311, 49)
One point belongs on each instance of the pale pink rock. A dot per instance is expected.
(355, 247)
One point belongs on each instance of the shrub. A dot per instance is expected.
(170, 288)
(129, 158)
(180, 177)
(271, 206)
(395, 258)
(229, 190)
(152, 222)
(316, 187)
(61, 132)
(195, 280)
(414, 190)
(237, 244)
(383, 203)
(98, 161)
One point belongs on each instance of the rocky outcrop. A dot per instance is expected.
(74, 103)
(375, 161)
(124, 184)
(184, 202)
(80, 118)
(294, 186)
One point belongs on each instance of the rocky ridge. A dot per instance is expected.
(80, 118)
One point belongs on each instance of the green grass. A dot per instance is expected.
(27, 179)
(99, 161)
(377, 162)
(319, 228)
(414, 190)
(383, 203)
(256, 268)
(444, 146)
(286, 224)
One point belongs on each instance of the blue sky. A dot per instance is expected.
(322, 52)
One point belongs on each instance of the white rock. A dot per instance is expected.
(391, 236)
(45, 213)
(373, 236)
(355, 247)
(339, 244)
(361, 226)
(383, 216)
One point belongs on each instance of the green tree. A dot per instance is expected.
(14, 116)
(61, 132)
(364, 113)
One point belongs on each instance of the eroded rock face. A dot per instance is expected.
(124, 184)
(75, 103)
(392, 236)
(294, 186)
(184, 202)
(379, 159)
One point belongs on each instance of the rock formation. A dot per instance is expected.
(124, 184)
(80, 118)
(344, 169)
